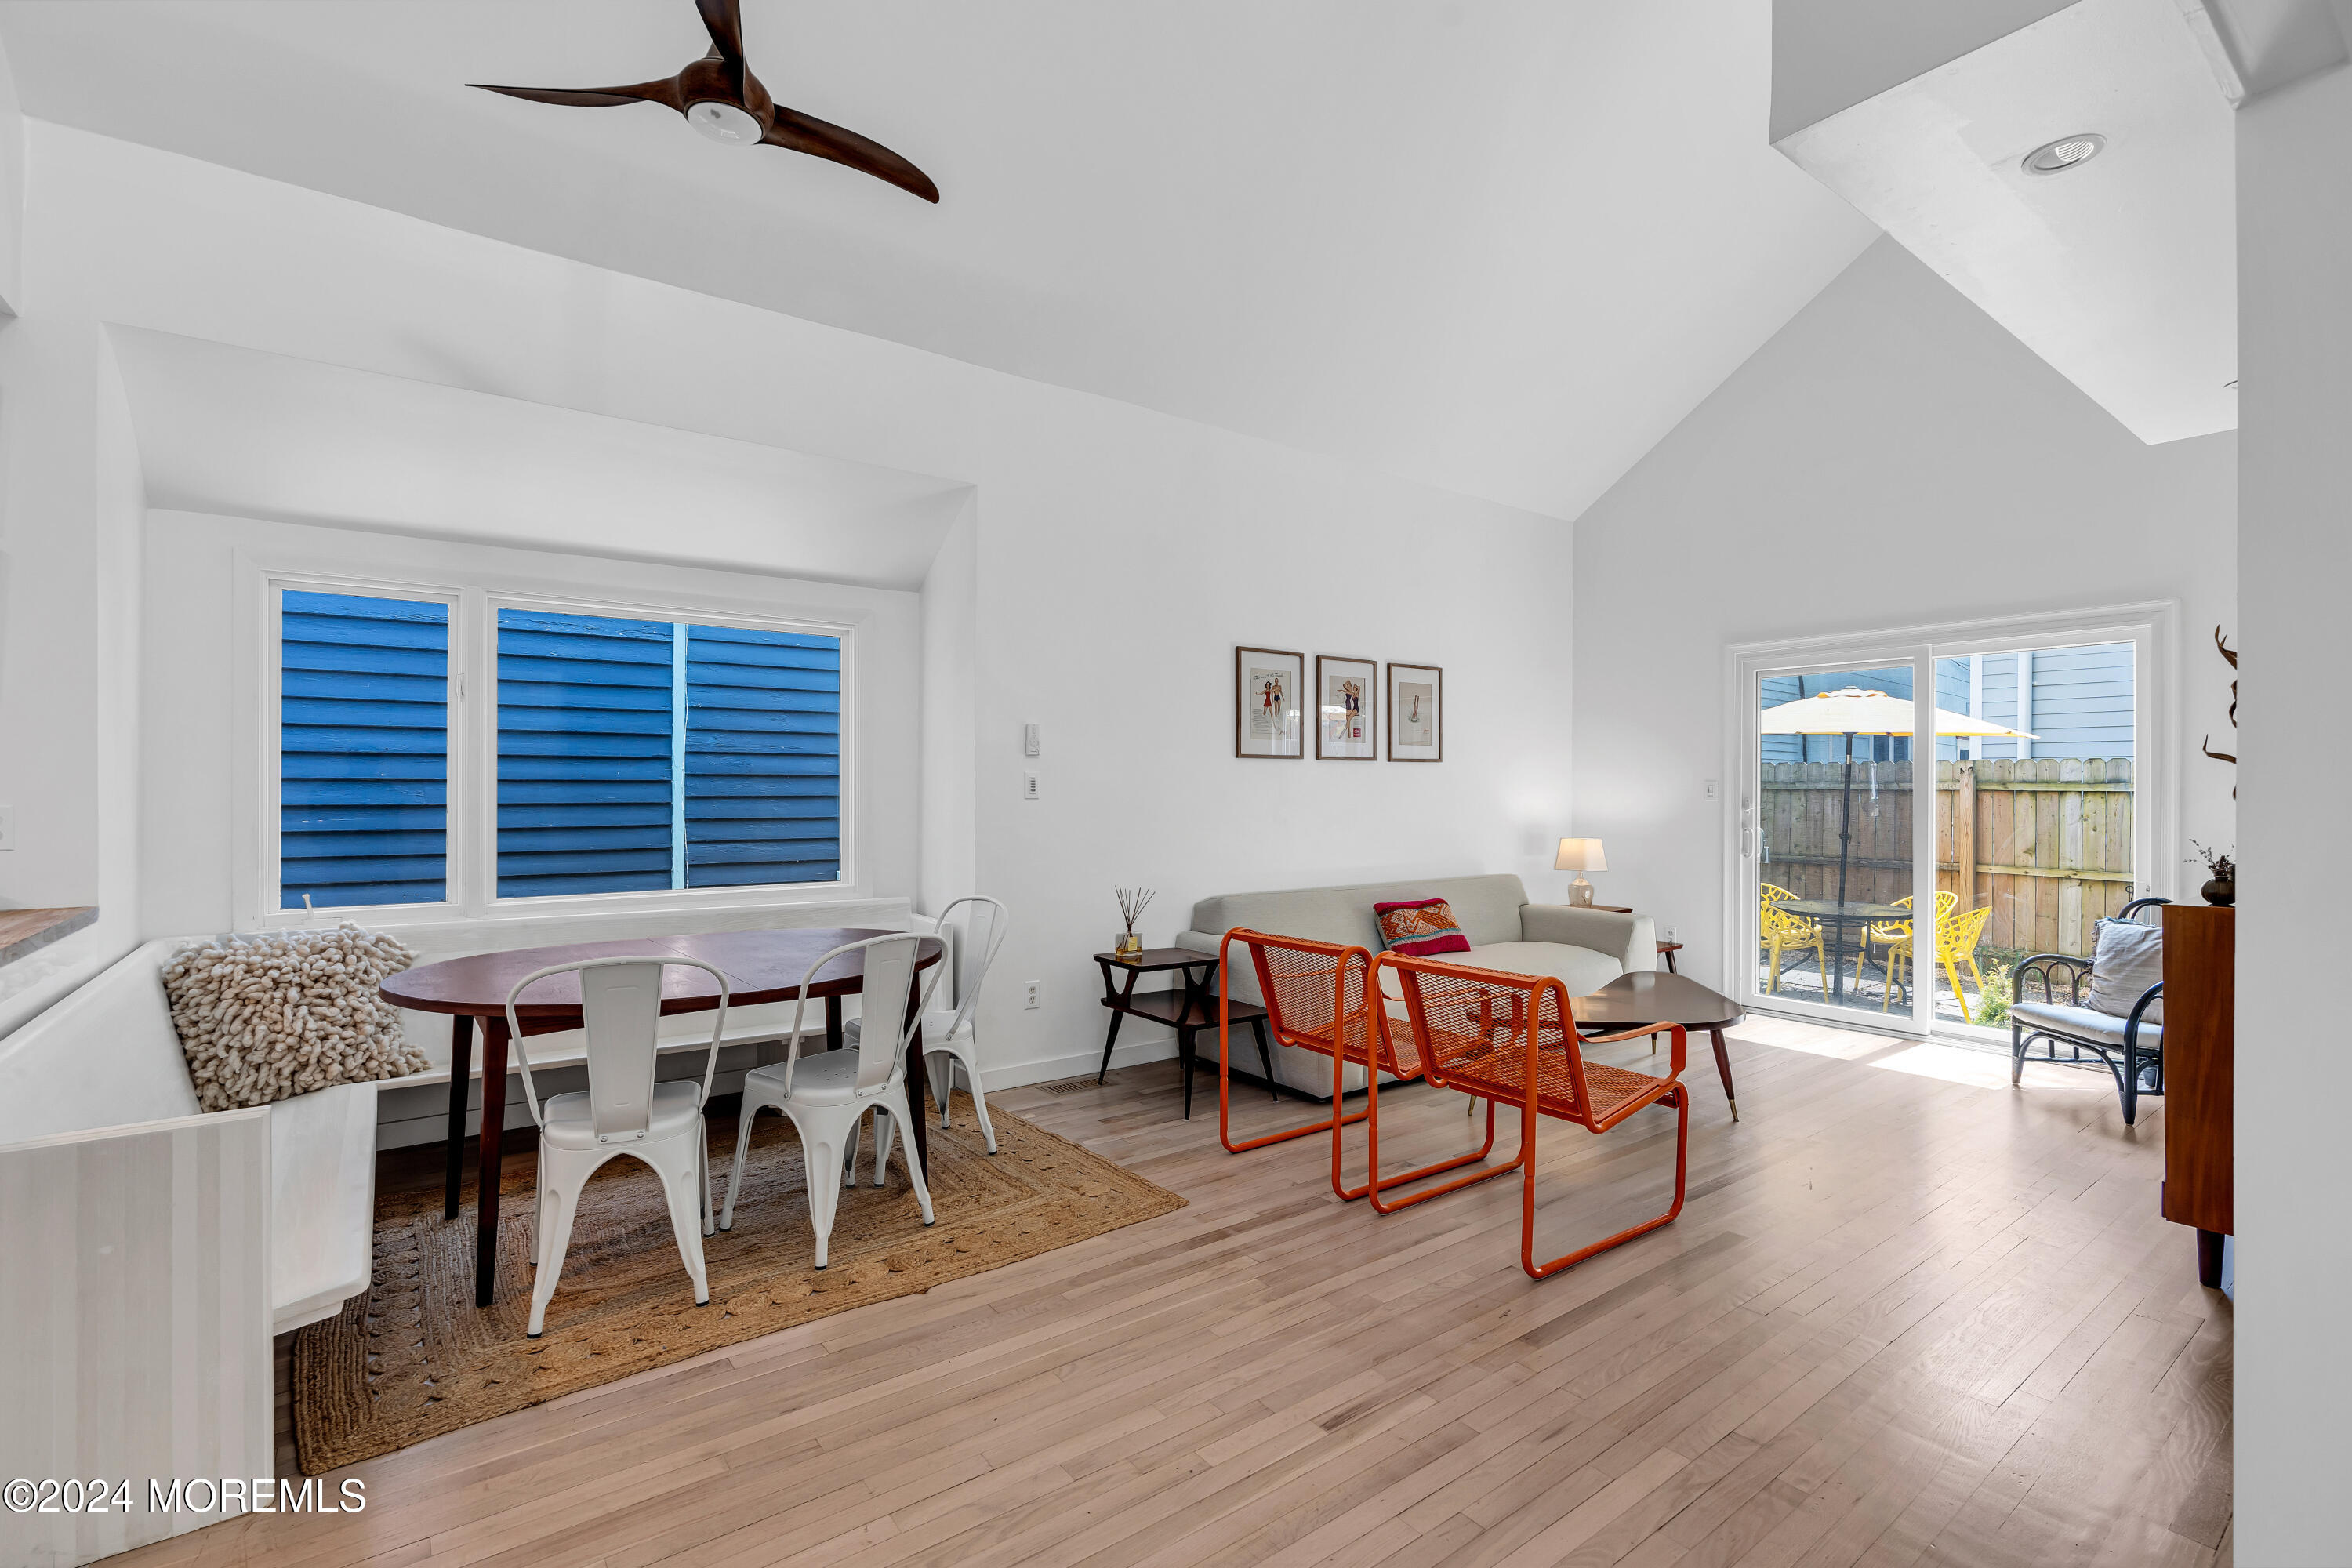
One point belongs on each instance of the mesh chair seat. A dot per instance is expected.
(1510, 1039)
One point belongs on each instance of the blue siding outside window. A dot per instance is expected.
(584, 753)
(762, 757)
(363, 750)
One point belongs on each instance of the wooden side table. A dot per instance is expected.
(1188, 1011)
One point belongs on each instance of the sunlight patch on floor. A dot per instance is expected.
(1957, 1064)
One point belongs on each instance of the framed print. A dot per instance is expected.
(1343, 704)
(1416, 714)
(1270, 698)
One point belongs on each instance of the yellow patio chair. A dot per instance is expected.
(1956, 944)
(1895, 936)
(1782, 932)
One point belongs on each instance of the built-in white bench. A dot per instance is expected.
(106, 1057)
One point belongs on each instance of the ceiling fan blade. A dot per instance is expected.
(801, 132)
(664, 92)
(723, 20)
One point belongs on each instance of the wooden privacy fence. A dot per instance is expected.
(2047, 841)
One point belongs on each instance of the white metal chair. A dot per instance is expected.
(828, 1095)
(949, 1038)
(624, 1112)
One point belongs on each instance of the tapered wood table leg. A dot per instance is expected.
(1723, 1066)
(486, 1174)
(461, 1071)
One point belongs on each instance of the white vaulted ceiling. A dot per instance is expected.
(1501, 246)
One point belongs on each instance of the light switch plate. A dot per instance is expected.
(1028, 739)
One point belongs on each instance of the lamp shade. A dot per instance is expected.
(1581, 855)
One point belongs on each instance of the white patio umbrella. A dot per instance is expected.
(1853, 710)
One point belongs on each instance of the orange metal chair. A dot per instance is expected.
(1318, 997)
(1511, 1039)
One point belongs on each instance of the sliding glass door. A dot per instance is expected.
(1834, 871)
(1917, 816)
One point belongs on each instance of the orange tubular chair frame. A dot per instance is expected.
(1527, 1052)
(1349, 1024)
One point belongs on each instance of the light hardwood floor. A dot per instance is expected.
(1908, 1316)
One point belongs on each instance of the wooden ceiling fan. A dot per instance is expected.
(720, 98)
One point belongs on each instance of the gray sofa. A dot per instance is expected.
(1586, 948)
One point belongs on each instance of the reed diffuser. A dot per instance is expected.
(1132, 902)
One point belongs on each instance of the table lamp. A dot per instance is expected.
(1579, 856)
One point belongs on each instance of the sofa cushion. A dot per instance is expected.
(1579, 969)
(1420, 928)
(2085, 1022)
(1487, 908)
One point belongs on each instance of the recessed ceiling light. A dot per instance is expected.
(2066, 152)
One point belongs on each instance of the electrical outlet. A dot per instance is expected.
(1028, 786)
(1030, 990)
(1673, 935)
(7, 828)
(1028, 739)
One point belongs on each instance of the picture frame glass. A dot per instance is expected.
(1269, 700)
(1416, 704)
(1346, 726)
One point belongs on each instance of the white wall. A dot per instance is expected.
(1892, 457)
(1118, 554)
(2293, 1185)
(200, 679)
(950, 854)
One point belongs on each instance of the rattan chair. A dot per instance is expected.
(1511, 1039)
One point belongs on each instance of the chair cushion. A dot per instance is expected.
(2128, 958)
(572, 1124)
(1420, 928)
(2086, 1022)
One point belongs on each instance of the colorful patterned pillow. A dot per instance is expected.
(1420, 929)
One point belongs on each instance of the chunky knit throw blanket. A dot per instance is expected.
(263, 1018)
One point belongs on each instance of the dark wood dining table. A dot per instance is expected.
(760, 965)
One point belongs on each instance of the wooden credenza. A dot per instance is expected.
(2200, 1003)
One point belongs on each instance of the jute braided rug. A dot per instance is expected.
(415, 1358)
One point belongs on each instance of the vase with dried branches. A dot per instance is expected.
(2221, 883)
(1132, 902)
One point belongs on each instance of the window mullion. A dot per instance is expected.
(678, 754)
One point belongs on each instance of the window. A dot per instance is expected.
(618, 755)
(363, 751)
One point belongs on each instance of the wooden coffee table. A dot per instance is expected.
(1647, 996)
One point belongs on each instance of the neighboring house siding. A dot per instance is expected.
(364, 763)
(762, 757)
(2081, 706)
(584, 753)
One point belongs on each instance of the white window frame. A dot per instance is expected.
(471, 861)
(2152, 630)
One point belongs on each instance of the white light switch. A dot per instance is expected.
(1028, 739)
(1710, 789)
